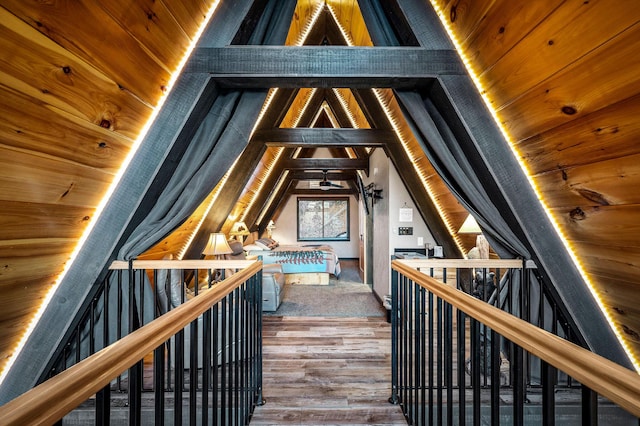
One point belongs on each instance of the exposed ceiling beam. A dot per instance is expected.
(323, 137)
(323, 66)
(301, 175)
(321, 193)
(416, 188)
(152, 166)
(327, 164)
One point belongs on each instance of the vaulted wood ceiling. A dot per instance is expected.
(79, 80)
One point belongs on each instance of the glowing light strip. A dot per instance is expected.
(295, 123)
(299, 42)
(378, 93)
(345, 107)
(219, 187)
(390, 116)
(525, 169)
(345, 34)
(100, 208)
(309, 26)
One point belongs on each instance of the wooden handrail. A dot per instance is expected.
(182, 264)
(616, 383)
(465, 263)
(53, 399)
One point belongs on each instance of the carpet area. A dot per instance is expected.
(343, 297)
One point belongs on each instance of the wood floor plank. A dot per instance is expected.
(327, 371)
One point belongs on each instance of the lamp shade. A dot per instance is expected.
(470, 226)
(217, 245)
(239, 228)
(271, 225)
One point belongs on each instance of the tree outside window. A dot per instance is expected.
(323, 219)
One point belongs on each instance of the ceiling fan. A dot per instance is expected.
(325, 184)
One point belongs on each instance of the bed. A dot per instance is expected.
(301, 264)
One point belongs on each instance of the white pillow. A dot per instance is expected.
(250, 247)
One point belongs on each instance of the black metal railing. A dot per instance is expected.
(209, 372)
(449, 367)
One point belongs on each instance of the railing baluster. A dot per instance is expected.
(476, 350)
(395, 283)
(548, 377)
(589, 407)
(431, 359)
(495, 378)
(428, 321)
(462, 386)
(439, 364)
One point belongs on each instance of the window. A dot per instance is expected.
(323, 219)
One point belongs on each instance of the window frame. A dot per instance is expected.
(346, 200)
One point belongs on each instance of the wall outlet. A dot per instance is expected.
(420, 241)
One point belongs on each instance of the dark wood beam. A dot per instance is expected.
(229, 194)
(323, 66)
(280, 103)
(458, 95)
(322, 193)
(302, 175)
(280, 199)
(374, 112)
(187, 103)
(327, 164)
(322, 137)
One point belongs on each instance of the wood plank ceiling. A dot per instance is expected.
(78, 81)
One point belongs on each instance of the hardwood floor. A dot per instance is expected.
(327, 371)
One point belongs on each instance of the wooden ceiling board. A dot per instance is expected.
(600, 184)
(33, 178)
(32, 126)
(78, 80)
(152, 25)
(63, 82)
(98, 39)
(502, 27)
(34, 220)
(606, 76)
(566, 36)
(188, 14)
(609, 226)
(611, 265)
(468, 16)
(602, 135)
